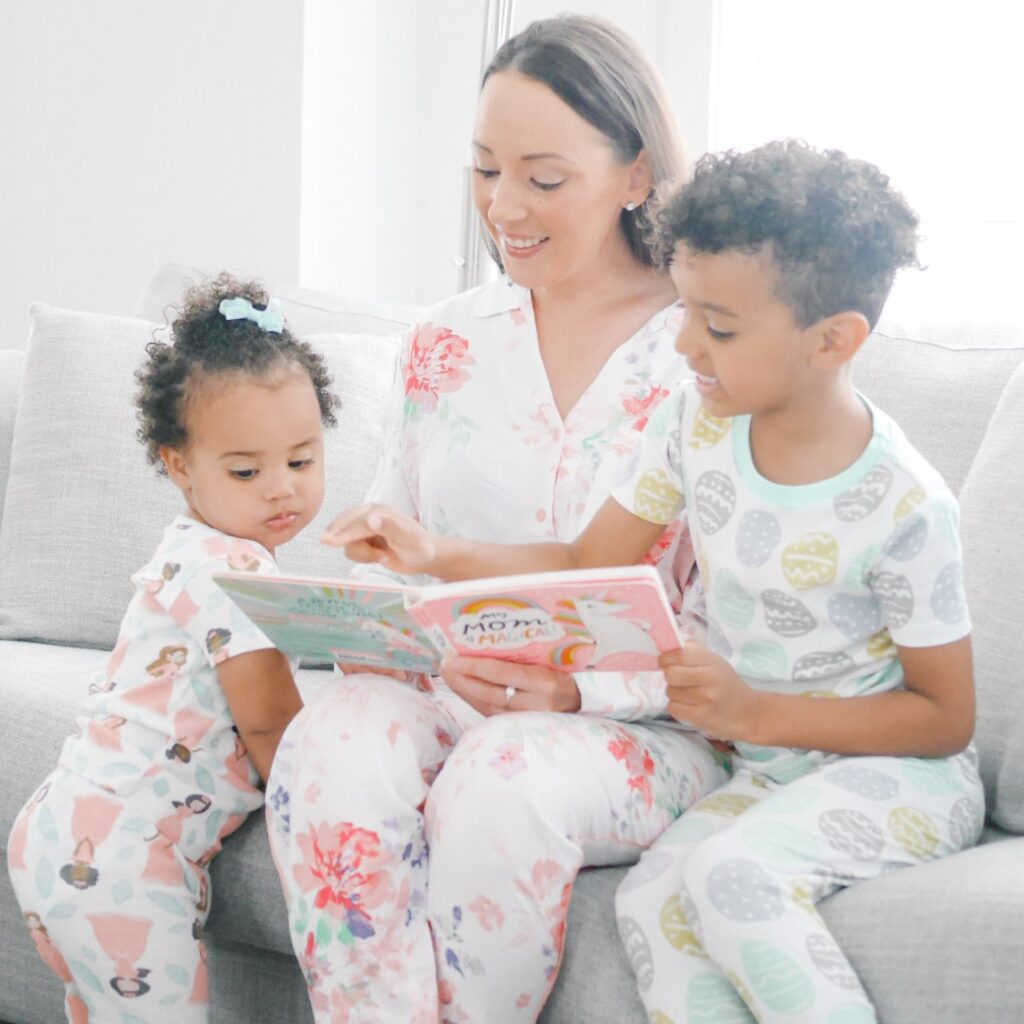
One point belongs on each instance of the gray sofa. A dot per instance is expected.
(938, 944)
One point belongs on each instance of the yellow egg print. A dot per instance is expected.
(908, 503)
(655, 498)
(880, 645)
(914, 831)
(811, 560)
(730, 805)
(676, 928)
(707, 430)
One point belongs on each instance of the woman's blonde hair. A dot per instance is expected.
(600, 72)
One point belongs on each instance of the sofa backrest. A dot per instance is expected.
(12, 362)
(307, 311)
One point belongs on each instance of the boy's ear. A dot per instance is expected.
(640, 181)
(841, 336)
(177, 467)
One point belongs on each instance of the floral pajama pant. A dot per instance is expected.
(417, 894)
(114, 908)
(719, 918)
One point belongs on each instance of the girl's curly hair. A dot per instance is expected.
(834, 227)
(206, 344)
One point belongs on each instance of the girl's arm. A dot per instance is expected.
(373, 533)
(263, 699)
(932, 717)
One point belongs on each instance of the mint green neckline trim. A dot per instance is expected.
(802, 495)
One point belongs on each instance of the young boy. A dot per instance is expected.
(829, 554)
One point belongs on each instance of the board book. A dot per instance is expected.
(615, 619)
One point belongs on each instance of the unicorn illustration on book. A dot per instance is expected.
(612, 634)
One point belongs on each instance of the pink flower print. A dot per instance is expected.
(518, 316)
(638, 762)
(550, 887)
(348, 869)
(508, 760)
(643, 404)
(436, 360)
(488, 913)
(544, 426)
(663, 543)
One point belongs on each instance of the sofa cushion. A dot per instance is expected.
(991, 506)
(308, 312)
(84, 509)
(940, 382)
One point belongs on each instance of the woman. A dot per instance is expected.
(428, 836)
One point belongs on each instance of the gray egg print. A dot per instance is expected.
(862, 500)
(826, 955)
(855, 616)
(638, 952)
(865, 782)
(718, 641)
(852, 833)
(908, 539)
(743, 891)
(896, 596)
(786, 615)
(948, 595)
(965, 822)
(715, 498)
(757, 535)
(821, 665)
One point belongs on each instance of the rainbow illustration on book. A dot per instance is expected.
(589, 631)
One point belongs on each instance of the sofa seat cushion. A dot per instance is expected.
(84, 509)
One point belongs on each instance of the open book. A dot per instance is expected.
(615, 619)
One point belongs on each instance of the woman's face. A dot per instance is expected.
(547, 184)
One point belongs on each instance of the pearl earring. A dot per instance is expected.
(630, 207)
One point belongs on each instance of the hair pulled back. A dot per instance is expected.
(600, 72)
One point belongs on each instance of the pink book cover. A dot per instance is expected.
(615, 619)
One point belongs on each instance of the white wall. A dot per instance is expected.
(138, 131)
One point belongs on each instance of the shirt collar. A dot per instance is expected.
(500, 296)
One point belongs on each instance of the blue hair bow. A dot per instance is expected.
(270, 319)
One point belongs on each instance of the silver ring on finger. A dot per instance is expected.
(510, 692)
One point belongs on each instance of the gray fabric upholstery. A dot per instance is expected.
(85, 509)
(992, 518)
(12, 363)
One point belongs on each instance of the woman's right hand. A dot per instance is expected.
(376, 533)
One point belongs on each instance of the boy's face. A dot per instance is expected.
(253, 467)
(741, 340)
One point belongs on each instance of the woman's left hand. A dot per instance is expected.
(492, 686)
(705, 691)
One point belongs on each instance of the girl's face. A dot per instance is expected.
(547, 184)
(253, 467)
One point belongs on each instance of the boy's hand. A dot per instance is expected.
(705, 691)
(376, 533)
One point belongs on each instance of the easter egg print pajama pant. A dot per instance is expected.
(718, 917)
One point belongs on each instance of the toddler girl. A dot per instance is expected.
(109, 859)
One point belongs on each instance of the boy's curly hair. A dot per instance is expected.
(206, 344)
(834, 228)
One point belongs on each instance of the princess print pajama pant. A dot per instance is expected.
(719, 918)
(113, 906)
(417, 894)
